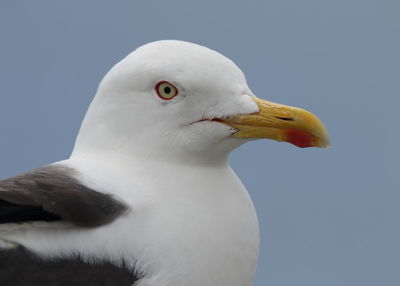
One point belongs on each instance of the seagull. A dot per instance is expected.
(147, 197)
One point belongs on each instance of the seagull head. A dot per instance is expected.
(175, 100)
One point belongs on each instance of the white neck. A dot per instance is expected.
(188, 225)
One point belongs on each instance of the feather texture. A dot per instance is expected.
(52, 193)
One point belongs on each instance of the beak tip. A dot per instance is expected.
(323, 142)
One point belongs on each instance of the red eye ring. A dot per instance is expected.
(166, 90)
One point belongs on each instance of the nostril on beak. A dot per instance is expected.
(284, 118)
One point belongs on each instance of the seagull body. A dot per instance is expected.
(148, 193)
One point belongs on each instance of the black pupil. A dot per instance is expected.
(167, 90)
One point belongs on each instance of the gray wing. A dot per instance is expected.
(52, 193)
(20, 267)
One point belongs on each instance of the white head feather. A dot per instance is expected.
(127, 116)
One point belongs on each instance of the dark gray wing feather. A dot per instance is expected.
(53, 193)
(19, 267)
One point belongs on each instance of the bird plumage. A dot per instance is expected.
(148, 188)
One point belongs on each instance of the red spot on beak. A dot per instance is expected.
(299, 138)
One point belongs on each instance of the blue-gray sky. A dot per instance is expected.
(327, 217)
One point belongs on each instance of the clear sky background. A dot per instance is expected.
(327, 217)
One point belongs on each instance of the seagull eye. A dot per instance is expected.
(166, 90)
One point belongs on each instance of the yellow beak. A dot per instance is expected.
(281, 123)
